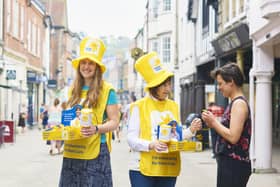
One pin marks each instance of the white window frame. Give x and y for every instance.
(166, 5)
(238, 15)
(33, 39)
(166, 49)
(154, 45)
(154, 9)
(1, 19)
(38, 42)
(8, 15)
(15, 18)
(29, 36)
(22, 14)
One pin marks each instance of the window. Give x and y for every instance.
(15, 18)
(21, 23)
(226, 11)
(233, 10)
(166, 49)
(29, 36)
(166, 5)
(8, 16)
(154, 46)
(1, 20)
(38, 42)
(33, 35)
(205, 17)
(241, 6)
(155, 9)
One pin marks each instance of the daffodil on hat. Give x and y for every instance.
(152, 70)
(92, 49)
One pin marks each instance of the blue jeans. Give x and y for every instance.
(139, 180)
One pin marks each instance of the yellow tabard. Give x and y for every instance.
(88, 148)
(153, 113)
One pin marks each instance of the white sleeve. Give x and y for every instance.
(133, 133)
(187, 133)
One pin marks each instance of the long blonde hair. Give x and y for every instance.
(93, 93)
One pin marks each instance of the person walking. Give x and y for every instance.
(21, 121)
(44, 115)
(150, 165)
(217, 111)
(86, 161)
(234, 130)
(54, 119)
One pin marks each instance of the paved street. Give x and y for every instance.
(28, 164)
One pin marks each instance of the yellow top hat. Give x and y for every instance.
(151, 69)
(92, 49)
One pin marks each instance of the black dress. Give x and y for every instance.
(21, 120)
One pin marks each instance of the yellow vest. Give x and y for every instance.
(152, 113)
(88, 148)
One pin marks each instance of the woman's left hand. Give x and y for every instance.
(88, 131)
(196, 125)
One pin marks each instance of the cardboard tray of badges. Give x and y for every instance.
(184, 146)
(61, 132)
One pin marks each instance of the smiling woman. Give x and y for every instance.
(87, 69)
(107, 17)
(86, 161)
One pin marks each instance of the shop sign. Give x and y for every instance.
(233, 39)
(52, 83)
(11, 74)
(31, 76)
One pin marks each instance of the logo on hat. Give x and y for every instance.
(155, 64)
(92, 47)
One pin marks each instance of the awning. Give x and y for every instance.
(5, 86)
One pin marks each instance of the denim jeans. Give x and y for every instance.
(139, 180)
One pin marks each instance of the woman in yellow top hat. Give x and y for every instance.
(86, 161)
(151, 165)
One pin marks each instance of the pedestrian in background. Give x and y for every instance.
(217, 111)
(21, 121)
(54, 112)
(43, 115)
(234, 130)
(146, 114)
(86, 161)
(117, 132)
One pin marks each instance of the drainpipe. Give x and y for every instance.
(252, 76)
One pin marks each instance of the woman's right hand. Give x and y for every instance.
(208, 118)
(158, 146)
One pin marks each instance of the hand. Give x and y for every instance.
(88, 131)
(158, 146)
(196, 125)
(209, 118)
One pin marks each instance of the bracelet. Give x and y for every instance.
(96, 129)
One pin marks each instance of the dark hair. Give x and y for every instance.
(229, 72)
(56, 101)
(153, 90)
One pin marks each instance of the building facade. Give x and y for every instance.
(264, 81)
(23, 41)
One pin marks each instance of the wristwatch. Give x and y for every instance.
(96, 129)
